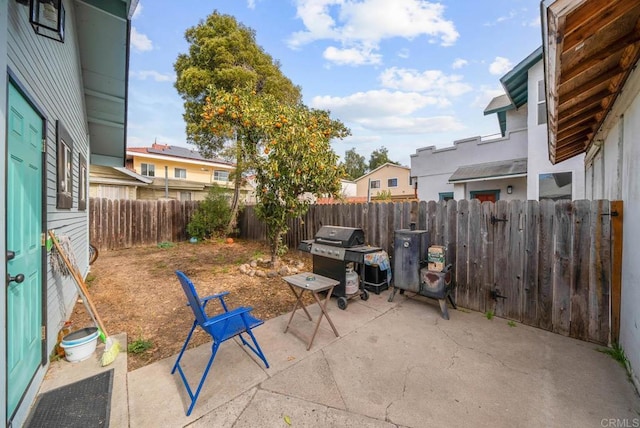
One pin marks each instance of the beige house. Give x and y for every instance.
(388, 181)
(115, 182)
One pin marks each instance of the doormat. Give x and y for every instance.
(86, 403)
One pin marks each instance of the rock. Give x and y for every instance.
(244, 268)
(253, 263)
(261, 274)
(300, 265)
(293, 271)
(252, 272)
(272, 274)
(283, 271)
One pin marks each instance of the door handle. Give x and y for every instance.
(11, 255)
(17, 279)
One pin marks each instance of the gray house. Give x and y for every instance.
(510, 165)
(591, 55)
(63, 90)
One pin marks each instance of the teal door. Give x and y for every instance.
(24, 249)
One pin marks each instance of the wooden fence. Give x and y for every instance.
(115, 224)
(551, 260)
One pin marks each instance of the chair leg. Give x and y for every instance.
(256, 350)
(194, 397)
(184, 347)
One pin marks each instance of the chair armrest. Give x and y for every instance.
(227, 315)
(214, 296)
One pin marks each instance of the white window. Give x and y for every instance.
(542, 103)
(180, 173)
(555, 186)
(221, 175)
(148, 169)
(392, 182)
(185, 196)
(375, 184)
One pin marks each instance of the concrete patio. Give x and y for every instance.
(394, 365)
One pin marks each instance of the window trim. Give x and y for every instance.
(82, 183)
(541, 101)
(175, 173)
(64, 167)
(389, 185)
(147, 165)
(371, 186)
(216, 172)
(443, 195)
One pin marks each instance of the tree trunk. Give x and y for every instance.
(235, 201)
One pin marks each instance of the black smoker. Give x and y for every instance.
(411, 272)
(332, 248)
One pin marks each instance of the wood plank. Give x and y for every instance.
(501, 278)
(516, 260)
(450, 232)
(616, 267)
(487, 265)
(599, 272)
(422, 216)
(432, 207)
(530, 284)
(462, 254)
(475, 254)
(579, 327)
(562, 267)
(546, 262)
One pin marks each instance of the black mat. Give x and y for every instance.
(83, 404)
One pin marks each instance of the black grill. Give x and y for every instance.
(333, 247)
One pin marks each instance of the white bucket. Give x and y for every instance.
(80, 344)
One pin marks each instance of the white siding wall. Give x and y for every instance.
(433, 167)
(50, 73)
(620, 179)
(538, 151)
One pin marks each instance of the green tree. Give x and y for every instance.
(354, 164)
(379, 157)
(212, 215)
(223, 54)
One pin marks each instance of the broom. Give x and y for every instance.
(111, 346)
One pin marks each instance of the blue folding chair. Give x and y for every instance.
(221, 327)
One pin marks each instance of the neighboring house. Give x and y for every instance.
(63, 74)
(387, 181)
(179, 173)
(591, 53)
(347, 194)
(115, 182)
(512, 166)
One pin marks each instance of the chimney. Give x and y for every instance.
(159, 146)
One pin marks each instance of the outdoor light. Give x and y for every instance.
(509, 189)
(47, 18)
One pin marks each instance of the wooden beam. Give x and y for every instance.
(616, 268)
(582, 87)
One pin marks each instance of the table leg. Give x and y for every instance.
(295, 306)
(323, 309)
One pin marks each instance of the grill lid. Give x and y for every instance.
(340, 236)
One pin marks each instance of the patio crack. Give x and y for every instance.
(490, 355)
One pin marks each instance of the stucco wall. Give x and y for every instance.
(620, 179)
(433, 167)
(538, 152)
(384, 174)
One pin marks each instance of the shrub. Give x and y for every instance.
(212, 216)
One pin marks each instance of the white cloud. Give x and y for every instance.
(152, 74)
(138, 11)
(534, 22)
(351, 56)
(500, 66)
(512, 14)
(139, 41)
(433, 82)
(459, 63)
(413, 125)
(485, 95)
(363, 24)
(373, 104)
(403, 53)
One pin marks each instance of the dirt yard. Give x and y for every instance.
(136, 291)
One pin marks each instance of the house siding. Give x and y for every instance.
(50, 73)
(614, 169)
(402, 190)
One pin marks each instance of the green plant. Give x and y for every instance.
(511, 324)
(489, 314)
(165, 244)
(139, 346)
(89, 279)
(212, 216)
(617, 353)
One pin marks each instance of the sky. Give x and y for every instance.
(400, 74)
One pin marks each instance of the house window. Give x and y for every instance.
(542, 103)
(445, 196)
(185, 196)
(82, 184)
(374, 184)
(180, 173)
(392, 182)
(221, 175)
(148, 169)
(64, 162)
(555, 186)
